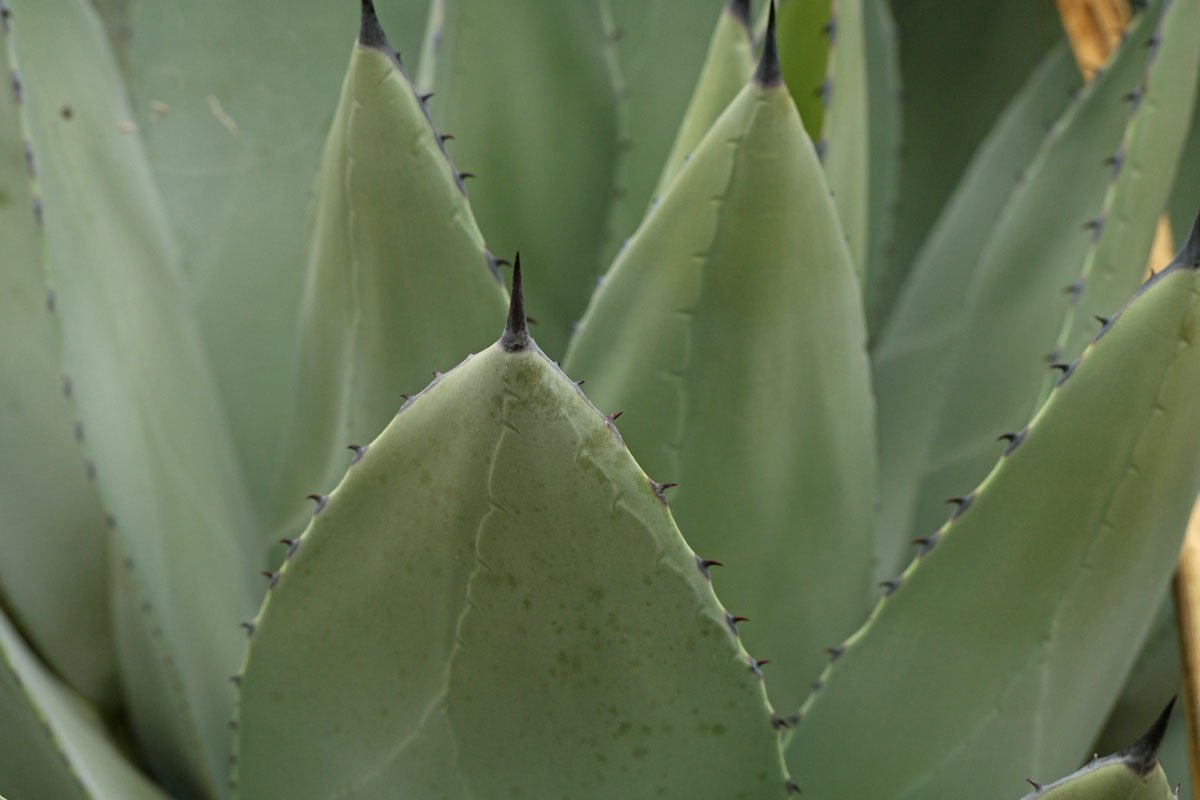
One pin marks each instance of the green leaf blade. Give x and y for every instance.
(1051, 590)
(696, 335)
(910, 353)
(52, 743)
(542, 545)
(52, 578)
(845, 138)
(726, 69)
(979, 61)
(985, 358)
(1144, 163)
(376, 321)
(883, 278)
(138, 375)
(492, 75)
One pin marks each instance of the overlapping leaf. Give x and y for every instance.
(393, 239)
(996, 650)
(138, 375)
(518, 611)
(730, 334)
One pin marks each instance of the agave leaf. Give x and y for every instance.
(722, 332)
(1187, 176)
(881, 51)
(494, 92)
(394, 244)
(984, 364)
(1131, 774)
(1154, 675)
(138, 376)
(804, 27)
(1143, 166)
(967, 64)
(845, 144)
(116, 15)
(726, 70)
(999, 362)
(246, 127)
(659, 48)
(930, 307)
(53, 539)
(52, 743)
(521, 616)
(1009, 636)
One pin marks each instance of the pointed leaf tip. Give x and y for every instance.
(370, 32)
(516, 331)
(1142, 755)
(769, 73)
(740, 9)
(1189, 254)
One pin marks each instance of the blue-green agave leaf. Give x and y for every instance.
(399, 281)
(959, 71)
(998, 651)
(52, 743)
(518, 612)
(550, 130)
(138, 376)
(54, 542)
(979, 369)
(730, 334)
(233, 100)
(930, 307)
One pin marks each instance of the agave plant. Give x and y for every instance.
(795, 337)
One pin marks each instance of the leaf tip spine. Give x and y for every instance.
(740, 10)
(370, 32)
(769, 73)
(1142, 755)
(516, 329)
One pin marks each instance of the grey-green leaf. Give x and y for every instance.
(1008, 637)
(1142, 168)
(726, 70)
(501, 72)
(979, 371)
(233, 100)
(959, 71)
(846, 138)
(399, 281)
(883, 275)
(518, 611)
(52, 576)
(52, 743)
(1131, 774)
(931, 305)
(730, 333)
(659, 47)
(138, 376)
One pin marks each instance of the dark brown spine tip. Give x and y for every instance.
(769, 73)
(516, 331)
(1037, 786)
(740, 10)
(370, 32)
(1189, 254)
(1142, 755)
